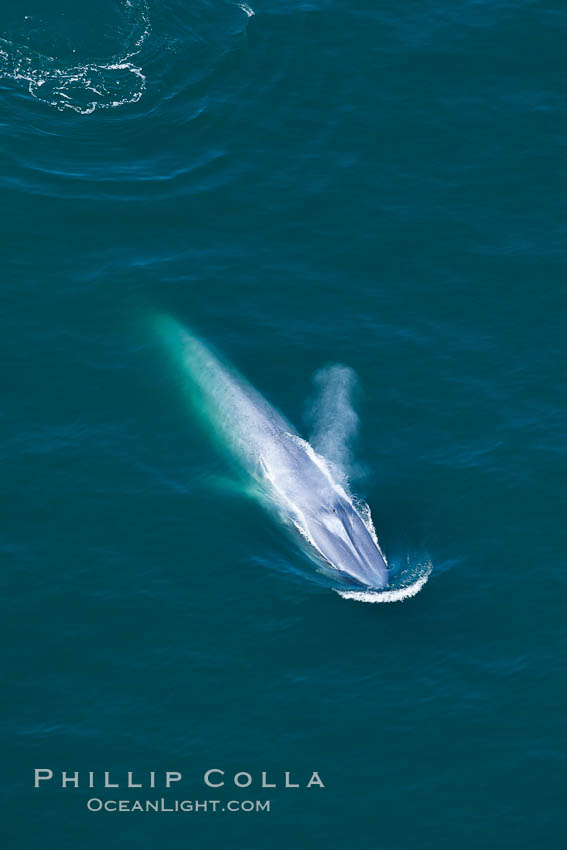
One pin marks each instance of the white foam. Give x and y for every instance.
(394, 595)
(246, 9)
(66, 87)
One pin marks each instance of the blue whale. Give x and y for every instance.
(299, 482)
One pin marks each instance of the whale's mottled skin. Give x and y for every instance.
(298, 481)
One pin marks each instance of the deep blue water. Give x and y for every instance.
(377, 185)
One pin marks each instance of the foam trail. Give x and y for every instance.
(85, 86)
(397, 594)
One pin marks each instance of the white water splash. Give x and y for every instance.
(397, 594)
(246, 9)
(83, 87)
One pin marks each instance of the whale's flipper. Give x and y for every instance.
(229, 486)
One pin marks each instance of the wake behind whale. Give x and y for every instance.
(302, 485)
(71, 82)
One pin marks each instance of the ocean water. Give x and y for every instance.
(303, 184)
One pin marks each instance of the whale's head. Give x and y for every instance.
(341, 537)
